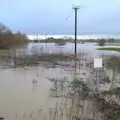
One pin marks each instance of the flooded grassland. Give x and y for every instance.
(43, 81)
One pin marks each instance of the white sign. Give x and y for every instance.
(97, 62)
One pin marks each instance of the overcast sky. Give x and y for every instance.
(57, 16)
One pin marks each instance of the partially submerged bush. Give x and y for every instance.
(101, 42)
(8, 39)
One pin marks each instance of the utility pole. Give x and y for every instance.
(75, 10)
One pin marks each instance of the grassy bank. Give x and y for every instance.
(63, 41)
(110, 49)
(57, 41)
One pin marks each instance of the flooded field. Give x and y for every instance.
(68, 48)
(58, 86)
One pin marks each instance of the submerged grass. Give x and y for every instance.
(36, 59)
(110, 49)
(114, 44)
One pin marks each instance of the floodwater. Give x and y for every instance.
(68, 48)
(24, 92)
(54, 93)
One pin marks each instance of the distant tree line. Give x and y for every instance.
(102, 42)
(9, 39)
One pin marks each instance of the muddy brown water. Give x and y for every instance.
(25, 92)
